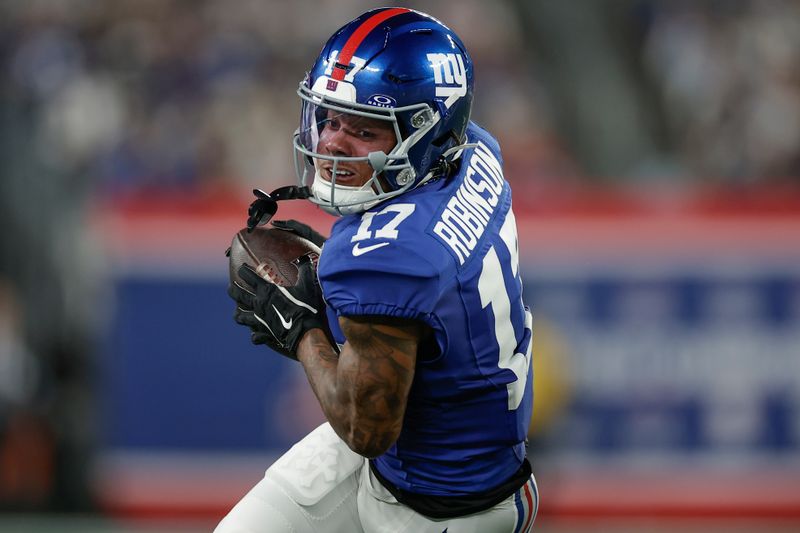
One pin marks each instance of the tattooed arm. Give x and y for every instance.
(363, 391)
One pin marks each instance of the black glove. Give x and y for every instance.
(279, 316)
(303, 230)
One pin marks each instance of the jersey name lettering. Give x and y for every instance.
(463, 221)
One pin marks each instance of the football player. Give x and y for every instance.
(412, 330)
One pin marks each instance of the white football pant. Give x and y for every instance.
(320, 485)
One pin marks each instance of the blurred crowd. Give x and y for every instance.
(145, 97)
(157, 94)
(728, 78)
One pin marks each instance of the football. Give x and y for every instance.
(271, 252)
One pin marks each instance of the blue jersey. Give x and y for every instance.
(446, 254)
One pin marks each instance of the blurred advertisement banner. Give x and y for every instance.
(667, 351)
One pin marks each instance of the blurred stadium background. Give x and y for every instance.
(654, 150)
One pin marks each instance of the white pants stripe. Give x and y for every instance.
(527, 503)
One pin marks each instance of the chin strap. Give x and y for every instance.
(265, 205)
(457, 148)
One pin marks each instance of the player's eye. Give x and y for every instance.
(332, 123)
(365, 134)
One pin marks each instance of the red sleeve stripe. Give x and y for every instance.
(359, 35)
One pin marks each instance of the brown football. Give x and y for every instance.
(271, 252)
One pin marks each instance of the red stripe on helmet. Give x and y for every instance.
(358, 36)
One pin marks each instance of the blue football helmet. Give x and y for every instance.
(395, 65)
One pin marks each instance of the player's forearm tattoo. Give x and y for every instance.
(363, 390)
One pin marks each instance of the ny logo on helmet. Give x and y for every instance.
(449, 75)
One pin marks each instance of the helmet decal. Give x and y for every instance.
(353, 66)
(341, 90)
(450, 76)
(381, 100)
